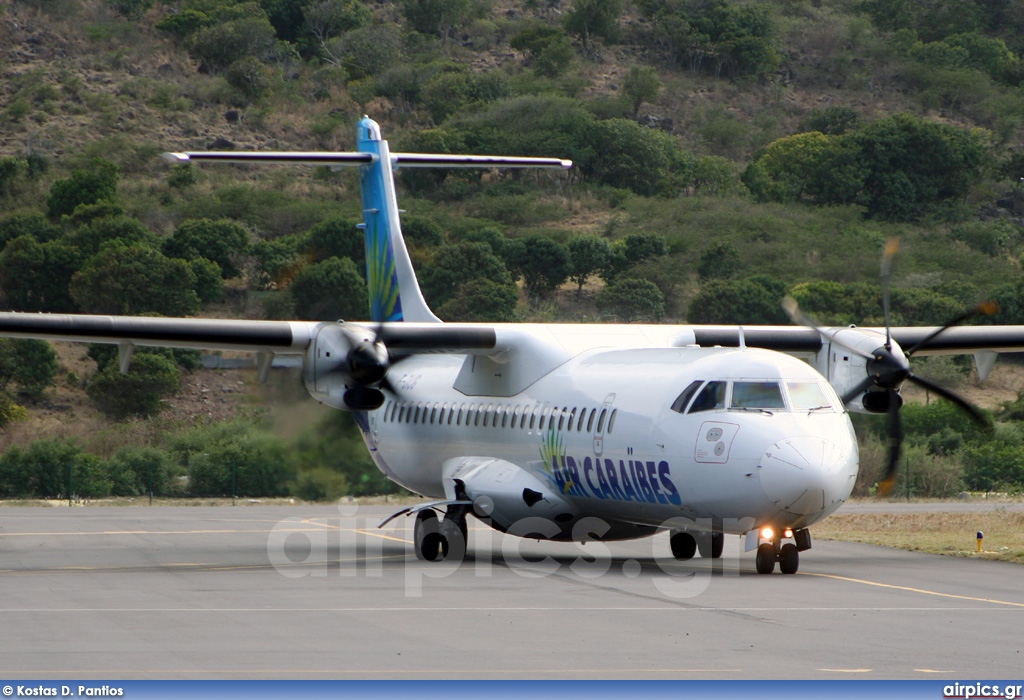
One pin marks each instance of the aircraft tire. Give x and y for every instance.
(711, 544)
(765, 559)
(453, 540)
(684, 546)
(426, 536)
(789, 559)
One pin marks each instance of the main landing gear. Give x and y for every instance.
(685, 544)
(773, 548)
(441, 539)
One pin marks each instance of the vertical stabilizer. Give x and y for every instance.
(394, 292)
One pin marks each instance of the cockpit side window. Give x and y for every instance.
(757, 395)
(679, 405)
(711, 397)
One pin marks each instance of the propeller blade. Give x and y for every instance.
(980, 418)
(891, 248)
(797, 316)
(988, 308)
(894, 430)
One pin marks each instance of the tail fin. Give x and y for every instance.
(394, 292)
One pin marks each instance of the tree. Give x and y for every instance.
(588, 255)
(437, 17)
(790, 168)
(135, 471)
(329, 291)
(95, 184)
(140, 392)
(632, 250)
(103, 230)
(543, 264)
(589, 18)
(720, 260)
(31, 364)
(481, 300)
(548, 49)
(135, 280)
(39, 228)
(223, 242)
(754, 300)
(237, 458)
(329, 19)
(250, 77)
(912, 165)
(222, 43)
(631, 299)
(131, 9)
(647, 161)
(458, 264)
(831, 121)
(640, 85)
(36, 276)
(209, 280)
(52, 469)
(366, 51)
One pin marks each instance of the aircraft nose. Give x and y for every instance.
(805, 475)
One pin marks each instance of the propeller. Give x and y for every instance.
(368, 363)
(888, 367)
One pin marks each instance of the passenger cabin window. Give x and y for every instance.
(710, 398)
(757, 395)
(808, 396)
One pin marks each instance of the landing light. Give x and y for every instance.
(767, 533)
(787, 533)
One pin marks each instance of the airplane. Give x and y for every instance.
(574, 432)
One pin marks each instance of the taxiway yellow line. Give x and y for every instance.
(911, 589)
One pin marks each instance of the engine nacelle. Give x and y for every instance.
(344, 366)
(847, 367)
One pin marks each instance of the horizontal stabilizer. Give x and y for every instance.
(444, 160)
(294, 157)
(341, 159)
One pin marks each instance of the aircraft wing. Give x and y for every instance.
(960, 340)
(290, 337)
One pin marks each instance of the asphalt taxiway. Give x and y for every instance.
(319, 592)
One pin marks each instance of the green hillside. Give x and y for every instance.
(727, 154)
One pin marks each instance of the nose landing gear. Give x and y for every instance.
(773, 548)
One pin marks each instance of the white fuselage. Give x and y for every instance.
(601, 431)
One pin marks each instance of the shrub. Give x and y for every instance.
(95, 184)
(630, 299)
(140, 392)
(329, 291)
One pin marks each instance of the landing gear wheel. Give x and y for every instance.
(789, 559)
(453, 540)
(683, 545)
(711, 544)
(426, 536)
(765, 559)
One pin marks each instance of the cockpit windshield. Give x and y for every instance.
(756, 395)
